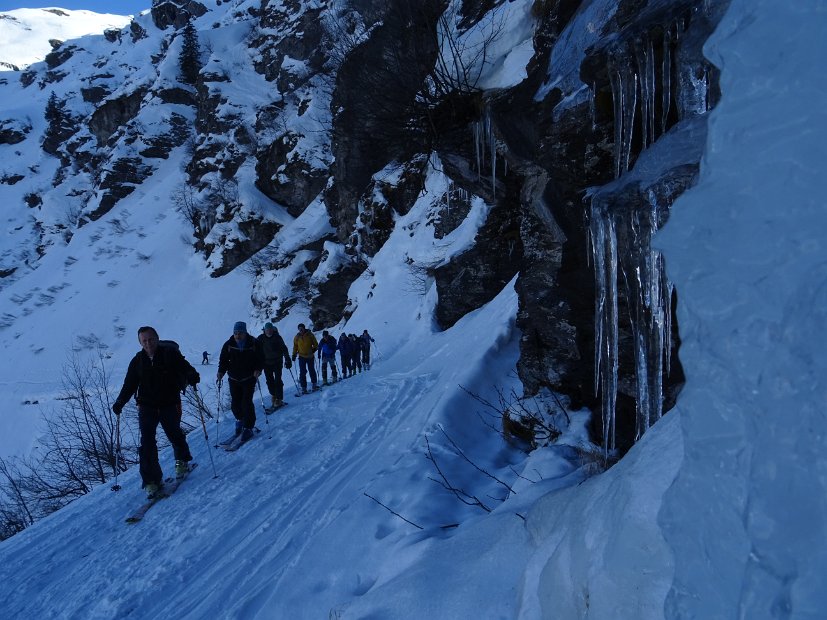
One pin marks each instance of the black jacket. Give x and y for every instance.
(240, 363)
(158, 381)
(274, 349)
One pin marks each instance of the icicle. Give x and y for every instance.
(666, 101)
(642, 62)
(667, 309)
(492, 145)
(604, 244)
(624, 83)
(616, 79)
(610, 389)
(476, 131)
(650, 89)
(592, 111)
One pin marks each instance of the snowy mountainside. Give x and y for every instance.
(25, 34)
(98, 240)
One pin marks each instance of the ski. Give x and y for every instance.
(309, 392)
(269, 410)
(168, 489)
(226, 442)
(238, 441)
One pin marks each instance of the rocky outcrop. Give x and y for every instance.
(255, 235)
(120, 181)
(474, 278)
(375, 93)
(327, 306)
(291, 182)
(175, 13)
(13, 131)
(114, 114)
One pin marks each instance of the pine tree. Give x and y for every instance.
(189, 62)
(60, 127)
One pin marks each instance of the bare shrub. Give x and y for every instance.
(79, 449)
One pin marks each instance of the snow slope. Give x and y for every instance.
(25, 33)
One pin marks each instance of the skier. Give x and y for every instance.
(205, 358)
(356, 354)
(304, 345)
(275, 352)
(242, 358)
(327, 353)
(344, 352)
(366, 339)
(157, 374)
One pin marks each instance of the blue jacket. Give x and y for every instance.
(327, 346)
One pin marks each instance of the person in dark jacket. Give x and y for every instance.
(242, 358)
(345, 349)
(156, 376)
(366, 339)
(355, 355)
(327, 354)
(275, 353)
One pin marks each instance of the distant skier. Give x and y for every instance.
(275, 352)
(304, 345)
(327, 354)
(365, 340)
(242, 358)
(157, 375)
(205, 359)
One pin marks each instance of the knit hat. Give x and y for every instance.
(240, 327)
(268, 325)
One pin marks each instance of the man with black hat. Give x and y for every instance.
(241, 357)
(275, 352)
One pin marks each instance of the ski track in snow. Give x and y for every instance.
(308, 463)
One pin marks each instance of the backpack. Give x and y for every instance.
(171, 345)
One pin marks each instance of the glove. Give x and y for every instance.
(194, 379)
(294, 358)
(117, 408)
(219, 377)
(288, 364)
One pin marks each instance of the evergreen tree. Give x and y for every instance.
(60, 127)
(189, 62)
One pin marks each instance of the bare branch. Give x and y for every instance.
(396, 514)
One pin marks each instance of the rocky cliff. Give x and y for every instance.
(577, 124)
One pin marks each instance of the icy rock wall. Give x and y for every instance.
(747, 516)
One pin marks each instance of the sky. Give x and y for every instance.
(719, 511)
(118, 7)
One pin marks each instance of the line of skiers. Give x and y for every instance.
(157, 376)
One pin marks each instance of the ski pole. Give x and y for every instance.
(218, 417)
(296, 383)
(263, 407)
(204, 426)
(116, 486)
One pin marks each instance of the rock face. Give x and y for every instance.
(341, 109)
(175, 13)
(596, 308)
(13, 131)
